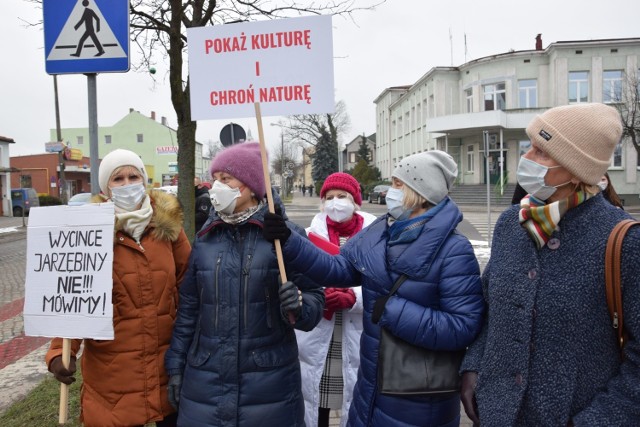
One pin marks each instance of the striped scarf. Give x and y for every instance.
(540, 220)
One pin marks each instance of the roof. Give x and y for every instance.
(6, 139)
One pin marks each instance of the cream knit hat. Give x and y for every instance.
(430, 174)
(114, 160)
(580, 137)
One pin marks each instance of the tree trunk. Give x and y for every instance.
(186, 127)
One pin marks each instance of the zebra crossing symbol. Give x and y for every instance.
(83, 36)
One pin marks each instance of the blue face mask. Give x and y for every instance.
(531, 175)
(394, 199)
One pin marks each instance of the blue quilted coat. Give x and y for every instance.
(440, 305)
(237, 355)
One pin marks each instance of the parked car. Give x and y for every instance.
(80, 199)
(23, 199)
(171, 189)
(379, 194)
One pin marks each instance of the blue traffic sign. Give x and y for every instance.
(86, 36)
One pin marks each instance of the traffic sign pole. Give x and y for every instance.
(92, 96)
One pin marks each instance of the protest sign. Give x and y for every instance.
(69, 265)
(286, 65)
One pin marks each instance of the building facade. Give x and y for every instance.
(154, 141)
(350, 152)
(488, 103)
(42, 173)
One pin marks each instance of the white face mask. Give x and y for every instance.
(128, 197)
(223, 197)
(339, 210)
(531, 175)
(394, 199)
(603, 185)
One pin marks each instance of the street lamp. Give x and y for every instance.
(282, 178)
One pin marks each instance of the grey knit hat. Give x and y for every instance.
(430, 174)
(580, 137)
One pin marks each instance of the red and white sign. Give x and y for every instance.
(163, 150)
(286, 65)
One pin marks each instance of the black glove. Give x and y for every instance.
(378, 309)
(468, 396)
(275, 227)
(61, 373)
(290, 299)
(173, 389)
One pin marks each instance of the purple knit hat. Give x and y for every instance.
(242, 161)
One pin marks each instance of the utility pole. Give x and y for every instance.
(63, 183)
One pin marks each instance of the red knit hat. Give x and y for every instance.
(342, 181)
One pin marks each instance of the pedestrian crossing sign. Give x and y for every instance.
(86, 36)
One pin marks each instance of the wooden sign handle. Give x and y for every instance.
(267, 183)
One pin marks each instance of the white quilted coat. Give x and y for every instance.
(314, 345)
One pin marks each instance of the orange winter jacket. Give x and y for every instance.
(124, 380)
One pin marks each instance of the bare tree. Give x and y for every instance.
(213, 147)
(159, 28)
(307, 129)
(629, 108)
(321, 131)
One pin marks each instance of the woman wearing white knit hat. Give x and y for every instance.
(124, 380)
(548, 355)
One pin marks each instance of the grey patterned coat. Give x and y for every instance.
(548, 353)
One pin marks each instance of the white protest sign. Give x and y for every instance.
(286, 65)
(69, 265)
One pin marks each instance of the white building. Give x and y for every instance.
(5, 178)
(456, 108)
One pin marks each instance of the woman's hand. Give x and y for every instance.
(173, 390)
(62, 374)
(290, 299)
(468, 396)
(275, 227)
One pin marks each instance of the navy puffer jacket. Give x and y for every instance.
(440, 305)
(237, 354)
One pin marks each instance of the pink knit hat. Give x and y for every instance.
(342, 181)
(580, 137)
(242, 161)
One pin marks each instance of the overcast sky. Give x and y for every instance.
(394, 45)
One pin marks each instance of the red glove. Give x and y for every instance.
(337, 299)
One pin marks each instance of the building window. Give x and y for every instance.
(578, 87)
(612, 86)
(470, 159)
(139, 138)
(469, 96)
(432, 106)
(495, 97)
(528, 93)
(107, 139)
(352, 157)
(79, 140)
(25, 181)
(616, 159)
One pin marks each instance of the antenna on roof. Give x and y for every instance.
(451, 45)
(465, 48)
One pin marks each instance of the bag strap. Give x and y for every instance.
(396, 285)
(613, 283)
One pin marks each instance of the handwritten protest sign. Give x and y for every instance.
(286, 65)
(69, 265)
